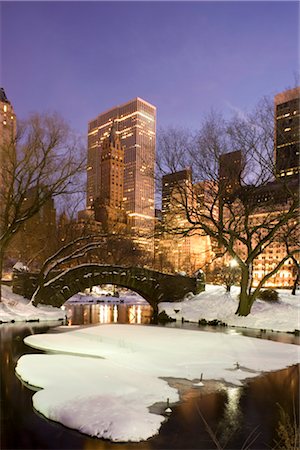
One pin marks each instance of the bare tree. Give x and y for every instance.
(244, 206)
(43, 160)
(227, 276)
(290, 237)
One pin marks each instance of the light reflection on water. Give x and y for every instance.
(84, 314)
(232, 416)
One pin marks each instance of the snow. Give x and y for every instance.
(212, 304)
(101, 380)
(16, 308)
(100, 295)
(20, 267)
(215, 303)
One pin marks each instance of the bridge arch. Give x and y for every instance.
(153, 286)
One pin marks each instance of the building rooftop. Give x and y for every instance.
(285, 96)
(122, 106)
(3, 97)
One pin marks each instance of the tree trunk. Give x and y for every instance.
(245, 304)
(296, 281)
(1, 269)
(246, 299)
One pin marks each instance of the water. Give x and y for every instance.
(141, 313)
(232, 413)
(108, 313)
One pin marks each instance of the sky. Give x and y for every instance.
(186, 58)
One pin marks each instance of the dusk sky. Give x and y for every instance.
(81, 58)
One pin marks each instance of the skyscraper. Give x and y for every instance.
(108, 207)
(7, 150)
(135, 125)
(230, 167)
(7, 133)
(175, 187)
(287, 132)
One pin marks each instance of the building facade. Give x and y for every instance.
(7, 146)
(181, 252)
(230, 167)
(7, 123)
(135, 125)
(108, 206)
(188, 252)
(287, 132)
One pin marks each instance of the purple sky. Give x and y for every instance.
(81, 58)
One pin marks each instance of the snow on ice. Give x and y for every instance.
(104, 378)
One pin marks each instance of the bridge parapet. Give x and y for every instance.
(154, 286)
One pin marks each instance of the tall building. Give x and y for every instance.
(287, 132)
(175, 252)
(7, 120)
(108, 206)
(175, 188)
(7, 147)
(135, 125)
(230, 167)
(7, 133)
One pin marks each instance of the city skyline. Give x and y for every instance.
(185, 58)
(134, 122)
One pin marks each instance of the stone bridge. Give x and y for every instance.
(153, 286)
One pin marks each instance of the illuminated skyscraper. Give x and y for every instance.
(7, 133)
(7, 149)
(287, 132)
(108, 207)
(135, 125)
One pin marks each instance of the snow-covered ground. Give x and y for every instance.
(16, 308)
(102, 380)
(212, 304)
(215, 303)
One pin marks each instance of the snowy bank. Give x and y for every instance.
(102, 297)
(16, 308)
(106, 377)
(215, 303)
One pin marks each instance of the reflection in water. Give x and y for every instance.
(135, 314)
(115, 314)
(85, 314)
(231, 421)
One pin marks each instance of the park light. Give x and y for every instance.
(233, 263)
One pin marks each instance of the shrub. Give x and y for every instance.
(268, 295)
(163, 317)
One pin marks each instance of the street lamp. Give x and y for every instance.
(232, 274)
(233, 263)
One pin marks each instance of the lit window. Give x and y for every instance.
(5, 108)
(287, 129)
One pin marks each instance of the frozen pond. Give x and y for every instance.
(232, 412)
